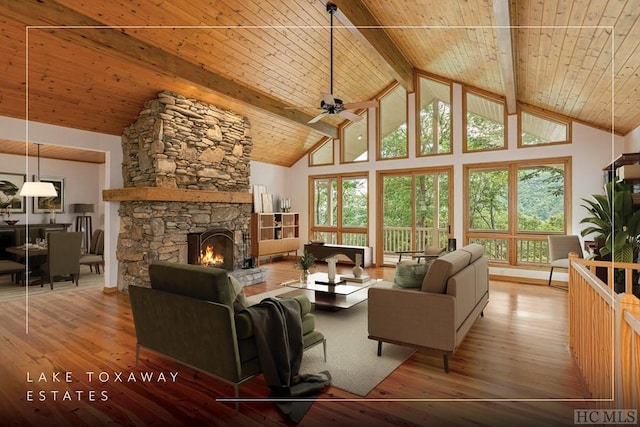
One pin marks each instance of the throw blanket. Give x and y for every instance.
(277, 327)
(278, 333)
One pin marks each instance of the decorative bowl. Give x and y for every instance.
(11, 221)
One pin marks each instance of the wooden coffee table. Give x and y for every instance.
(342, 295)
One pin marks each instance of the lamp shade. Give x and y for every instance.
(82, 207)
(38, 189)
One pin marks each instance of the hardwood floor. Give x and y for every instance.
(514, 367)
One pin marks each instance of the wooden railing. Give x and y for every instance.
(604, 332)
(399, 238)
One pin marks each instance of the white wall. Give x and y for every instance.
(632, 141)
(107, 176)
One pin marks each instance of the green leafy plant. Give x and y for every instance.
(614, 222)
(306, 261)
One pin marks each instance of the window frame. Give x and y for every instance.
(512, 235)
(545, 115)
(424, 75)
(491, 97)
(341, 131)
(339, 229)
(324, 141)
(379, 98)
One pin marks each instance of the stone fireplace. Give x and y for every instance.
(186, 172)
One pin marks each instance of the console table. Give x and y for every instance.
(325, 251)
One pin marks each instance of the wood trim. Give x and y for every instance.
(492, 97)
(158, 194)
(545, 115)
(416, 111)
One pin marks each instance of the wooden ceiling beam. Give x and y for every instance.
(505, 52)
(355, 15)
(118, 43)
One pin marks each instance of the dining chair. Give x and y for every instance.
(63, 258)
(95, 256)
(559, 249)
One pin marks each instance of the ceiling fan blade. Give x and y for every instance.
(328, 99)
(318, 117)
(363, 104)
(349, 115)
(302, 107)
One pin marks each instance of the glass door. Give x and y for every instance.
(415, 209)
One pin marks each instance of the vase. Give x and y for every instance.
(304, 275)
(357, 272)
(331, 269)
(52, 217)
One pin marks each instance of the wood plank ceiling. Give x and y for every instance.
(258, 57)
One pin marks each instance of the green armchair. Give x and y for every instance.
(188, 315)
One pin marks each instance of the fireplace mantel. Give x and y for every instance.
(159, 194)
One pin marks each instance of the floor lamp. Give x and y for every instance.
(83, 222)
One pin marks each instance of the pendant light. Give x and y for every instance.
(37, 188)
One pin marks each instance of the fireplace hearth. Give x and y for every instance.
(212, 248)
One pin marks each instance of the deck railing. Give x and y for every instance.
(399, 238)
(604, 333)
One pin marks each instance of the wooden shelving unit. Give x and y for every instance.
(611, 171)
(274, 234)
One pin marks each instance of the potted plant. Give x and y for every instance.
(306, 262)
(614, 222)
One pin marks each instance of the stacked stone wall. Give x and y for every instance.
(180, 143)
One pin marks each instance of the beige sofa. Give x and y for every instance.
(438, 315)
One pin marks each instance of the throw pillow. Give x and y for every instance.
(237, 295)
(411, 274)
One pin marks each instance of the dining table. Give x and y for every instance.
(35, 255)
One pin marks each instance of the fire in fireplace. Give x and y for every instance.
(212, 248)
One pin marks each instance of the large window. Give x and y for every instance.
(340, 209)
(485, 122)
(512, 207)
(434, 117)
(392, 124)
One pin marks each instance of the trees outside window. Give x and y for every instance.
(340, 209)
(434, 117)
(392, 124)
(512, 207)
(416, 206)
(484, 123)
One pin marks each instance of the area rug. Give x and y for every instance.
(352, 358)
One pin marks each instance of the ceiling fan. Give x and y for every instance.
(331, 105)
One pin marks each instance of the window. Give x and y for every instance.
(340, 209)
(485, 123)
(323, 154)
(434, 117)
(355, 141)
(540, 129)
(416, 206)
(512, 207)
(392, 124)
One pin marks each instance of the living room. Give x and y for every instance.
(281, 163)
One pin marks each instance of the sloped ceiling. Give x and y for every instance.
(92, 64)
